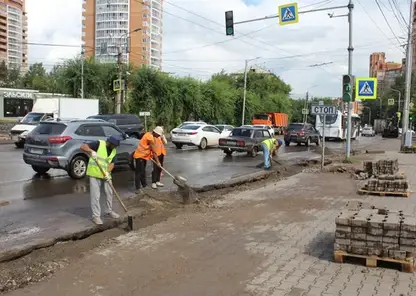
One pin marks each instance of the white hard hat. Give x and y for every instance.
(158, 130)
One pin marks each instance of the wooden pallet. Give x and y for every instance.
(406, 265)
(384, 193)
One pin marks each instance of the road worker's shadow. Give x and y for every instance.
(321, 246)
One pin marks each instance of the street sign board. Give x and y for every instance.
(305, 111)
(366, 88)
(144, 113)
(324, 110)
(390, 102)
(117, 85)
(288, 14)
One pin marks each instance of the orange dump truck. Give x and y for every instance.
(278, 121)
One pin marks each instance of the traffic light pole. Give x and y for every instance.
(118, 98)
(350, 50)
(408, 79)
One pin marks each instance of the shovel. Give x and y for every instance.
(179, 181)
(129, 218)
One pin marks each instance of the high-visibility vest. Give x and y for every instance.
(269, 143)
(103, 159)
(160, 147)
(143, 150)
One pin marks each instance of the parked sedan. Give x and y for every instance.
(301, 133)
(186, 123)
(368, 131)
(56, 145)
(201, 135)
(224, 129)
(244, 139)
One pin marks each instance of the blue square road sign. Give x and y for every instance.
(288, 14)
(366, 88)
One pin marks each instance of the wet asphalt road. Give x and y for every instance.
(43, 206)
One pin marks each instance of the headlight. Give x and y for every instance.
(24, 134)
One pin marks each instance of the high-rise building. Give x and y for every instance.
(13, 34)
(135, 26)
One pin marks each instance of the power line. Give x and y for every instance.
(387, 22)
(400, 21)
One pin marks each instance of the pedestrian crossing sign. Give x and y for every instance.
(288, 14)
(366, 88)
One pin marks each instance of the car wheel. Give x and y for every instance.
(203, 144)
(287, 143)
(318, 142)
(40, 170)
(78, 167)
(253, 152)
(20, 144)
(228, 152)
(308, 142)
(178, 146)
(134, 135)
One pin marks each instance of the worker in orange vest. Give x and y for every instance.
(160, 143)
(145, 151)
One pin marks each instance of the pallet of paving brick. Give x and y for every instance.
(408, 150)
(406, 265)
(365, 191)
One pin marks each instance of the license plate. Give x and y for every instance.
(181, 135)
(230, 143)
(15, 138)
(36, 151)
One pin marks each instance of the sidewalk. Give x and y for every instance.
(276, 240)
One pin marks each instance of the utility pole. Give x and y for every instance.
(408, 78)
(244, 93)
(350, 50)
(82, 72)
(305, 116)
(119, 62)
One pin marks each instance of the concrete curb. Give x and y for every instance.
(6, 142)
(18, 252)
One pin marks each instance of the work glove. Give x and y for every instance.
(94, 155)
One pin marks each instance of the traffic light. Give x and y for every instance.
(347, 88)
(229, 23)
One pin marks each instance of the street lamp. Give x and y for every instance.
(119, 62)
(400, 95)
(245, 88)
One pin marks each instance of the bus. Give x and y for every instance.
(336, 126)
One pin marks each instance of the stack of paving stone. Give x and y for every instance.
(364, 230)
(385, 177)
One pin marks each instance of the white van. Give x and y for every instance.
(52, 109)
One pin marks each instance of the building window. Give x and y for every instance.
(17, 107)
(145, 40)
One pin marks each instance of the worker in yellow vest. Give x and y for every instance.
(270, 147)
(102, 152)
(146, 150)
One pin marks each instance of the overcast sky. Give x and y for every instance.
(195, 43)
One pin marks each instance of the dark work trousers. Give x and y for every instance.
(140, 173)
(157, 170)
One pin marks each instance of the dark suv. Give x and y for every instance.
(302, 133)
(128, 123)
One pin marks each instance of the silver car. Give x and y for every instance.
(56, 144)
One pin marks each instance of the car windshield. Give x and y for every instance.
(32, 117)
(261, 116)
(220, 127)
(295, 127)
(190, 127)
(241, 132)
(367, 129)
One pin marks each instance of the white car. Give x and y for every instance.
(201, 135)
(225, 129)
(186, 123)
(269, 128)
(368, 131)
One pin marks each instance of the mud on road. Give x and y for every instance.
(43, 263)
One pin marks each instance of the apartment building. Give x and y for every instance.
(385, 72)
(13, 34)
(132, 25)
